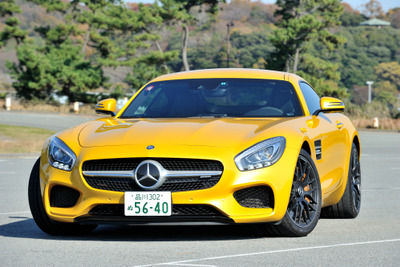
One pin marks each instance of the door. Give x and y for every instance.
(328, 138)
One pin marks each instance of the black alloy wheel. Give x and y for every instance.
(304, 206)
(355, 174)
(304, 197)
(350, 203)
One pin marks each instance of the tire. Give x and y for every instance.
(304, 206)
(39, 214)
(350, 203)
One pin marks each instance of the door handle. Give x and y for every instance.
(339, 125)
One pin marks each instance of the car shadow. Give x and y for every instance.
(27, 228)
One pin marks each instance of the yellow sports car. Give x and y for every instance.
(229, 146)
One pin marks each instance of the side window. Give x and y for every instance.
(312, 99)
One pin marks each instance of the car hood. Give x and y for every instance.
(223, 132)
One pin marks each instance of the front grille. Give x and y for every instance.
(172, 184)
(63, 197)
(177, 210)
(179, 184)
(127, 164)
(255, 197)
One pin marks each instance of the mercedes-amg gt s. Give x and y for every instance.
(231, 146)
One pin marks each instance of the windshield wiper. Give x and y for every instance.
(211, 116)
(134, 117)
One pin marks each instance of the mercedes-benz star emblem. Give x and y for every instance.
(149, 175)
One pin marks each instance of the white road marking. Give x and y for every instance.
(17, 212)
(186, 264)
(374, 189)
(273, 252)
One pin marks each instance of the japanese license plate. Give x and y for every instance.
(148, 204)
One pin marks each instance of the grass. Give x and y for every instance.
(19, 139)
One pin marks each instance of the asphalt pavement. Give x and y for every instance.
(50, 121)
(372, 239)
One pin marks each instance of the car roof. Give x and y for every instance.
(228, 73)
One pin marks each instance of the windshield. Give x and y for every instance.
(215, 98)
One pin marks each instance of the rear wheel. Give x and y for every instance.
(39, 214)
(350, 203)
(304, 206)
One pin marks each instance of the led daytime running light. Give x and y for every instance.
(260, 155)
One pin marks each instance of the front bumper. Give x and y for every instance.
(220, 197)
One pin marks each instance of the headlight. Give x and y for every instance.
(60, 155)
(261, 155)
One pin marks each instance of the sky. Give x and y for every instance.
(386, 4)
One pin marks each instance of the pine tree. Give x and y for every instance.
(302, 21)
(11, 29)
(57, 67)
(95, 34)
(179, 11)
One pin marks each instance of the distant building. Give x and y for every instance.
(375, 22)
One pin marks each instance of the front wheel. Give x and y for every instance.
(39, 214)
(304, 206)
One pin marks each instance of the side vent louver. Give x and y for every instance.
(318, 149)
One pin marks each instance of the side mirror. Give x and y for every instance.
(330, 104)
(106, 106)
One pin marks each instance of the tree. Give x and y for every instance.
(120, 36)
(323, 76)
(11, 29)
(373, 9)
(394, 15)
(154, 63)
(179, 11)
(302, 21)
(389, 71)
(109, 31)
(54, 68)
(351, 19)
(251, 49)
(365, 48)
(386, 92)
(93, 35)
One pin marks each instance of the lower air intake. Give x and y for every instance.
(255, 197)
(177, 210)
(63, 197)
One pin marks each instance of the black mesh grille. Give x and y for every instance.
(255, 197)
(180, 184)
(177, 210)
(172, 184)
(63, 197)
(108, 210)
(127, 164)
(188, 184)
(194, 210)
